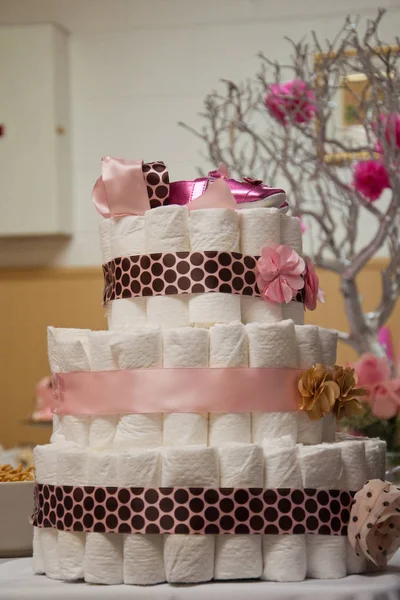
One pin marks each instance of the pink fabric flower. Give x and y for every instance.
(370, 178)
(280, 271)
(384, 401)
(312, 293)
(371, 370)
(293, 100)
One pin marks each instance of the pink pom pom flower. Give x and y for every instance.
(280, 274)
(293, 100)
(370, 179)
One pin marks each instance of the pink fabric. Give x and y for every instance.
(121, 189)
(374, 528)
(311, 286)
(176, 390)
(280, 271)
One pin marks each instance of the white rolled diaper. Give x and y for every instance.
(272, 346)
(229, 348)
(326, 554)
(239, 556)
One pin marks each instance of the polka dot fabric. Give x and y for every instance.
(374, 528)
(156, 178)
(192, 510)
(180, 273)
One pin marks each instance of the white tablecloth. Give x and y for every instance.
(18, 583)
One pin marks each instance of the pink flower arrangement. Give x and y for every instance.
(293, 100)
(383, 393)
(312, 292)
(370, 179)
(280, 274)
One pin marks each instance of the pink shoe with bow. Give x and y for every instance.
(249, 193)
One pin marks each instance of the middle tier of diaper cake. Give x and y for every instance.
(184, 447)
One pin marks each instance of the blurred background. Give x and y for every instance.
(80, 79)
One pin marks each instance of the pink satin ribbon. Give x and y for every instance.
(121, 189)
(176, 390)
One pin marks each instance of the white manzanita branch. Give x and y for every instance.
(239, 131)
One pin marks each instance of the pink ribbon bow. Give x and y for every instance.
(121, 189)
(374, 528)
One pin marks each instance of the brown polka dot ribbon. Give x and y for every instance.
(374, 528)
(156, 178)
(160, 274)
(190, 510)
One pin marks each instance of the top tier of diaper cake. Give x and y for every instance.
(195, 253)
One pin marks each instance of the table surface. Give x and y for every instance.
(17, 582)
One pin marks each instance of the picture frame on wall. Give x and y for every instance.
(349, 108)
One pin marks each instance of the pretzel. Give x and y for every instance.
(9, 474)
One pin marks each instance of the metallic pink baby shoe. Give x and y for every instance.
(249, 193)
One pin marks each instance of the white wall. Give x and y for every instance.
(139, 66)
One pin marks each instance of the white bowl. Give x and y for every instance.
(16, 507)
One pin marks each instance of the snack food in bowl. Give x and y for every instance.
(16, 500)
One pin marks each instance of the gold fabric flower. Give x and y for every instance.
(347, 403)
(318, 392)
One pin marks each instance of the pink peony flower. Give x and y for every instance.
(293, 100)
(384, 402)
(370, 178)
(371, 370)
(280, 271)
(312, 293)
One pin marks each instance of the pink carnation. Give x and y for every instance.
(371, 370)
(293, 100)
(280, 274)
(312, 293)
(370, 178)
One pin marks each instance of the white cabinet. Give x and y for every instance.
(35, 172)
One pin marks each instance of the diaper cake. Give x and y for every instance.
(195, 440)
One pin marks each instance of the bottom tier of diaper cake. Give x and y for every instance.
(186, 514)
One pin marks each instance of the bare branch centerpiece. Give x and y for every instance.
(281, 124)
(326, 126)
